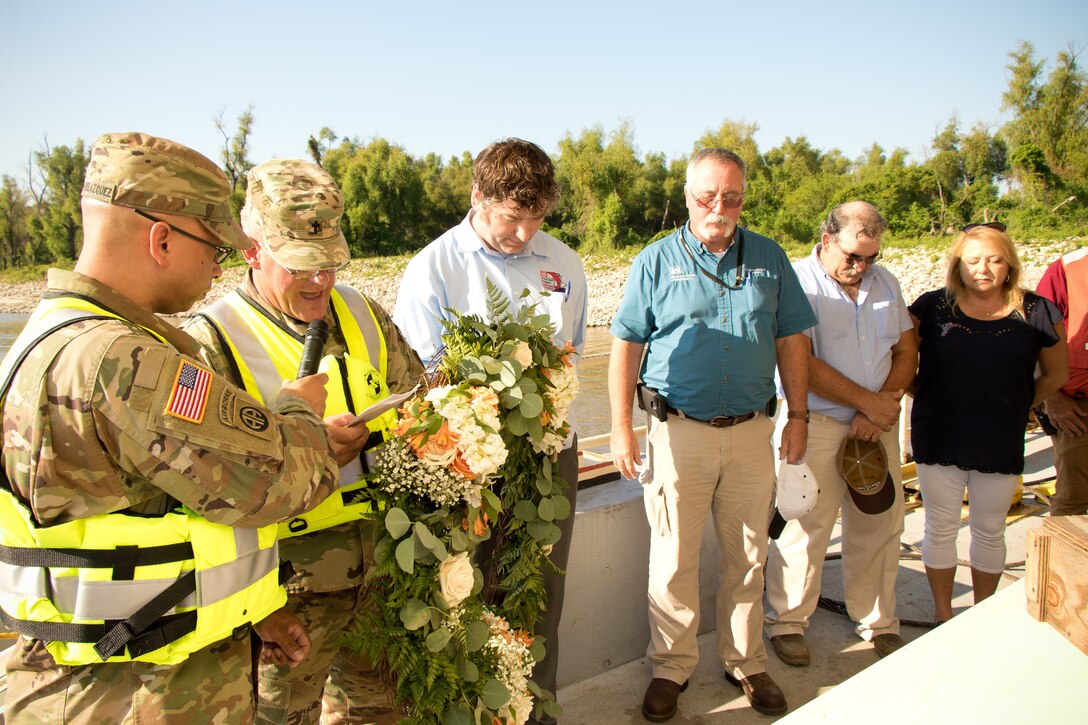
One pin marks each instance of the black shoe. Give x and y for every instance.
(659, 703)
(763, 694)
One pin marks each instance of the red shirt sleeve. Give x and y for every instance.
(1053, 287)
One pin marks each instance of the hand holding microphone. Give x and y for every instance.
(307, 385)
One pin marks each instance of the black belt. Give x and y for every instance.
(719, 421)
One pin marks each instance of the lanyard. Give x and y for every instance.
(740, 264)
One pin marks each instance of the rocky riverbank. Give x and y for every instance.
(918, 270)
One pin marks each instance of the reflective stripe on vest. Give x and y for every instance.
(117, 587)
(1076, 284)
(266, 355)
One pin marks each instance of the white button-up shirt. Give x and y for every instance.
(854, 338)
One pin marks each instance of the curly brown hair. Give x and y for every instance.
(518, 171)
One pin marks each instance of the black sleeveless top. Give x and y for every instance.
(976, 381)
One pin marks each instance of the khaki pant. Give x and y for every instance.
(1071, 459)
(699, 471)
(870, 544)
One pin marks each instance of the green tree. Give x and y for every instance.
(58, 224)
(447, 190)
(235, 155)
(14, 231)
(383, 199)
(1051, 115)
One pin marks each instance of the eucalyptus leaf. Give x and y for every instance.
(562, 506)
(508, 375)
(536, 649)
(543, 483)
(525, 510)
(546, 509)
(436, 640)
(476, 635)
(516, 424)
(536, 430)
(542, 531)
(458, 713)
(397, 522)
(425, 536)
(406, 555)
(532, 405)
(494, 694)
(468, 671)
(528, 385)
(414, 614)
(552, 708)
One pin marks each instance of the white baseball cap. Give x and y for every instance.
(796, 489)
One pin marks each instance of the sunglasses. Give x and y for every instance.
(221, 252)
(990, 225)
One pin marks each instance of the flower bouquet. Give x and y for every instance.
(470, 497)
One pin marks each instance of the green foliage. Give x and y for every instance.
(57, 228)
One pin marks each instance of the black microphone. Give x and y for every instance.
(313, 346)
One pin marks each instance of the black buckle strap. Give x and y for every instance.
(170, 628)
(95, 558)
(119, 636)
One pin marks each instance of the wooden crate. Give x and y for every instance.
(1056, 579)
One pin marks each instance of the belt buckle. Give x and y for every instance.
(721, 421)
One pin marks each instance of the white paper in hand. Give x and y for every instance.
(381, 406)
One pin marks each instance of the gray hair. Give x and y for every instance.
(722, 156)
(865, 214)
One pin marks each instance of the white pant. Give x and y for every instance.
(870, 544)
(990, 495)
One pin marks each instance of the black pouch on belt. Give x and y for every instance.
(651, 401)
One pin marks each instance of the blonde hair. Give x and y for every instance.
(953, 283)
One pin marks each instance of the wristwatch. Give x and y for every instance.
(797, 415)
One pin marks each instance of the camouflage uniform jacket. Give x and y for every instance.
(88, 435)
(331, 559)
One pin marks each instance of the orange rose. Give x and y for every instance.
(440, 442)
(461, 468)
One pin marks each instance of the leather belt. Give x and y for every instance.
(720, 421)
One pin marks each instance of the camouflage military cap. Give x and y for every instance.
(158, 175)
(297, 207)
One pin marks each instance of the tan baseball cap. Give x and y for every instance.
(864, 467)
(299, 208)
(158, 175)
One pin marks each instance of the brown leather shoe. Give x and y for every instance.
(791, 649)
(885, 644)
(763, 694)
(659, 704)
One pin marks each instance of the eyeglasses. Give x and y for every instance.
(221, 252)
(991, 225)
(730, 200)
(303, 275)
(853, 259)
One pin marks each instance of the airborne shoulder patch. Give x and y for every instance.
(188, 396)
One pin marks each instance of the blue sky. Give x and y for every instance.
(449, 77)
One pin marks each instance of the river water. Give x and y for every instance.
(590, 408)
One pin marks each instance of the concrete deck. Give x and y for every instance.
(615, 696)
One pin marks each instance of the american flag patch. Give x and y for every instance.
(189, 396)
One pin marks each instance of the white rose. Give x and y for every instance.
(455, 578)
(523, 354)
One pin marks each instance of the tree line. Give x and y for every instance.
(1031, 173)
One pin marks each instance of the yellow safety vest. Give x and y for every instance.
(118, 587)
(264, 354)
